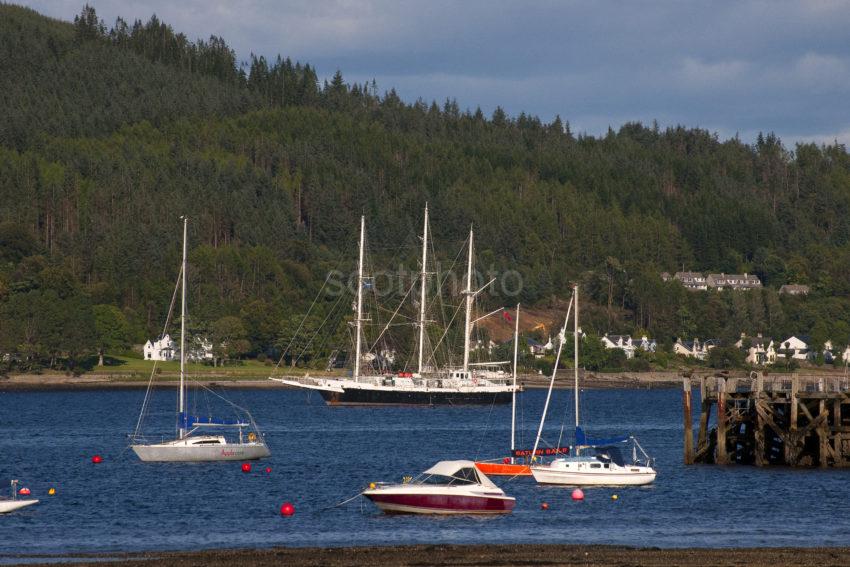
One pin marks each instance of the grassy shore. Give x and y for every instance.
(470, 555)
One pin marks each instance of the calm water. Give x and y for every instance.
(323, 455)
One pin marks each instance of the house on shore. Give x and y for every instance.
(628, 345)
(162, 348)
(695, 348)
(796, 347)
(759, 350)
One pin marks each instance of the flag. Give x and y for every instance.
(507, 316)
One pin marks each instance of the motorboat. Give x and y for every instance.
(12, 504)
(449, 487)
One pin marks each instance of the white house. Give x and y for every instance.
(760, 352)
(628, 345)
(161, 349)
(795, 347)
(695, 348)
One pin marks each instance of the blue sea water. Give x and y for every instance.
(322, 455)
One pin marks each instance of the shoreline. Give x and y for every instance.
(59, 382)
(445, 555)
(98, 381)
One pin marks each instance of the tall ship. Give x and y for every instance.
(426, 383)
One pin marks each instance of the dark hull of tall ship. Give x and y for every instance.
(367, 397)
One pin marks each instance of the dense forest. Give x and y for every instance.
(109, 134)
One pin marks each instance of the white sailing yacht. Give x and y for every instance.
(469, 384)
(190, 446)
(603, 463)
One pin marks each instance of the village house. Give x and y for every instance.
(743, 282)
(795, 347)
(695, 348)
(628, 345)
(794, 289)
(760, 351)
(162, 348)
(538, 349)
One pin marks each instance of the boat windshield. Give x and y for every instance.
(610, 455)
(462, 476)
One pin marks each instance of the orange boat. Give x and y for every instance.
(503, 469)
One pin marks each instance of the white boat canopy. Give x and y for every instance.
(452, 468)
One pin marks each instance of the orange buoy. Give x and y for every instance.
(287, 509)
(246, 467)
(97, 459)
(24, 491)
(578, 494)
(544, 506)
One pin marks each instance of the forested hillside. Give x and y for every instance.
(109, 133)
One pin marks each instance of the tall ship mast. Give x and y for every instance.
(466, 384)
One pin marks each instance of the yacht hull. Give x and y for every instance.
(188, 454)
(378, 397)
(12, 505)
(627, 477)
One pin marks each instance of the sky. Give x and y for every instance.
(730, 67)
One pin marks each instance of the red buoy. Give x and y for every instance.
(246, 467)
(578, 494)
(544, 506)
(506, 460)
(268, 470)
(97, 459)
(24, 491)
(287, 509)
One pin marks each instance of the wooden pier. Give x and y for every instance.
(794, 420)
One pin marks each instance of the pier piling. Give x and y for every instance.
(768, 420)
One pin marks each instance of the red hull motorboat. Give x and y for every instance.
(449, 487)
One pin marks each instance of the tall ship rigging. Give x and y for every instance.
(464, 384)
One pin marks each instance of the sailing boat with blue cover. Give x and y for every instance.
(593, 462)
(189, 445)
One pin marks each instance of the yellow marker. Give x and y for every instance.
(52, 491)
(372, 486)
(614, 497)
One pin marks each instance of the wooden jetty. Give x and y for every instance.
(794, 420)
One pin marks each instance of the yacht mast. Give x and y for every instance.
(561, 341)
(424, 285)
(359, 321)
(575, 349)
(513, 394)
(182, 413)
(469, 298)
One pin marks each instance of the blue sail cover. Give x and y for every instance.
(189, 421)
(582, 440)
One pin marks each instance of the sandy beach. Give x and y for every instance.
(465, 555)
